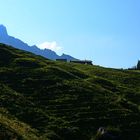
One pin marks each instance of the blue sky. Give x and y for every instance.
(105, 31)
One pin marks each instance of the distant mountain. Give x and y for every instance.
(68, 57)
(17, 43)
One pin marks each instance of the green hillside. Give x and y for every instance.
(42, 99)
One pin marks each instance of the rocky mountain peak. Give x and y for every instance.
(3, 31)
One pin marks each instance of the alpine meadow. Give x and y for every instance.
(69, 69)
(43, 99)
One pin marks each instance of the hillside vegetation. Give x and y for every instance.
(42, 99)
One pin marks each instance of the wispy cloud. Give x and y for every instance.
(50, 45)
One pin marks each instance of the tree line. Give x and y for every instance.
(137, 67)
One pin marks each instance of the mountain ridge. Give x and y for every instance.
(17, 43)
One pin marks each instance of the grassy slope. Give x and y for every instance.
(43, 99)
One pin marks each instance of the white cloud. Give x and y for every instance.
(50, 45)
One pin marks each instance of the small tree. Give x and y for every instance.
(138, 65)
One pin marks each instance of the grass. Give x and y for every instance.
(43, 99)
